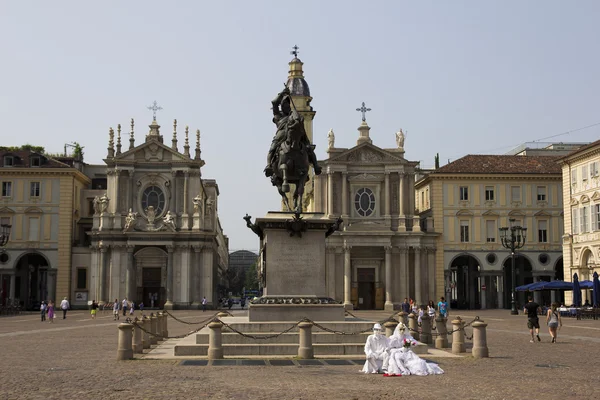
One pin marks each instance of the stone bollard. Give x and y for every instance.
(145, 323)
(441, 341)
(153, 330)
(480, 349)
(222, 314)
(413, 326)
(215, 348)
(159, 319)
(426, 329)
(390, 326)
(305, 350)
(124, 349)
(165, 329)
(458, 336)
(403, 317)
(137, 337)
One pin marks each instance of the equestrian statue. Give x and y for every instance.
(291, 152)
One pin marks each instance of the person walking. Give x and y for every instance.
(533, 322)
(405, 306)
(431, 310)
(94, 309)
(64, 306)
(554, 321)
(204, 304)
(116, 306)
(124, 305)
(132, 309)
(50, 311)
(43, 310)
(443, 307)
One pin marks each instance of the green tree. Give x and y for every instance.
(437, 160)
(251, 282)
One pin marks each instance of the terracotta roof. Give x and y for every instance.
(502, 164)
(22, 159)
(579, 150)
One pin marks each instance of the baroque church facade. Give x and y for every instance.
(383, 252)
(152, 233)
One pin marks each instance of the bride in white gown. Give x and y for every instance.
(402, 360)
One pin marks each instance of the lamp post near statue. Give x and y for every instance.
(4, 234)
(513, 238)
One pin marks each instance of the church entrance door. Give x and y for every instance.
(366, 288)
(151, 272)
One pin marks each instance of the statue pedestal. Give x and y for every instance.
(293, 270)
(196, 225)
(104, 222)
(96, 222)
(117, 221)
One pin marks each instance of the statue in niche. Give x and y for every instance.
(130, 220)
(96, 205)
(169, 221)
(104, 200)
(330, 139)
(150, 215)
(210, 204)
(197, 204)
(400, 136)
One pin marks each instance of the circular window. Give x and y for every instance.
(491, 258)
(543, 259)
(364, 202)
(3, 258)
(153, 196)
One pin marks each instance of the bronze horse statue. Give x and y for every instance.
(291, 152)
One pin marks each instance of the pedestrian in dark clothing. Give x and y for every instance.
(533, 322)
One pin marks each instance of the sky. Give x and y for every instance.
(460, 77)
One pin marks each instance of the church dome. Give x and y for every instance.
(296, 82)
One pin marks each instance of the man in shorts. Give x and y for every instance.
(116, 305)
(533, 322)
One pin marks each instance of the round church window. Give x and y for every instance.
(155, 197)
(364, 202)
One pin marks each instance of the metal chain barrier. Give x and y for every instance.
(452, 331)
(189, 323)
(263, 337)
(179, 336)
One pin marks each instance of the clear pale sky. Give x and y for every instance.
(462, 77)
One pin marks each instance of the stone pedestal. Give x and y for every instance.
(104, 222)
(196, 224)
(293, 270)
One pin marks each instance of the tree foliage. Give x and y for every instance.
(25, 147)
(252, 278)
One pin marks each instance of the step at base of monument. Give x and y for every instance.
(282, 349)
(280, 326)
(285, 338)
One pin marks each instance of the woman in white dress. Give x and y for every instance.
(402, 360)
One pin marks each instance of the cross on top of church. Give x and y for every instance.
(295, 51)
(363, 110)
(154, 108)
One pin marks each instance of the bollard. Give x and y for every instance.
(305, 350)
(159, 326)
(165, 330)
(403, 317)
(137, 337)
(390, 326)
(145, 323)
(441, 342)
(413, 326)
(222, 314)
(426, 329)
(124, 350)
(458, 336)
(215, 348)
(153, 331)
(480, 349)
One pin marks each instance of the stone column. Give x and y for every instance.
(169, 303)
(11, 291)
(330, 193)
(207, 277)
(387, 195)
(215, 347)
(102, 275)
(426, 329)
(305, 349)
(401, 216)
(345, 211)
(317, 197)
(347, 278)
(130, 282)
(197, 298)
(131, 189)
(404, 286)
(537, 295)
(124, 347)
(330, 251)
(389, 306)
(480, 348)
(418, 282)
(173, 204)
(411, 194)
(185, 217)
(431, 272)
(51, 284)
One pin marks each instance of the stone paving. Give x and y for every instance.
(76, 359)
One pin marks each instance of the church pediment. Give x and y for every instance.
(574, 202)
(367, 153)
(33, 210)
(364, 177)
(596, 196)
(464, 213)
(6, 210)
(542, 213)
(152, 151)
(515, 213)
(584, 199)
(490, 213)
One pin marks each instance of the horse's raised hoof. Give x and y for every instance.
(285, 188)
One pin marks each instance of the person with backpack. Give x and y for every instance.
(554, 321)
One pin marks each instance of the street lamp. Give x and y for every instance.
(512, 238)
(4, 234)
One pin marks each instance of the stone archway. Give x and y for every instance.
(524, 276)
(34, 280)
(151, 276)
(465, 276)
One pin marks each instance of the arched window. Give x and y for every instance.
(364, 202)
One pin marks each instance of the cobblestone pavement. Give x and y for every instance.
(76, 359)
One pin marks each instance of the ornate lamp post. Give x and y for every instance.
(4, 234)
(513, 237)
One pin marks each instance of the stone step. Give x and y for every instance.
(349, 326)
(290, 337)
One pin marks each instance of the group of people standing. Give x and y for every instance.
(410, 306)
(48, 308)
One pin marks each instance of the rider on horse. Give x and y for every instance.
(286, 121)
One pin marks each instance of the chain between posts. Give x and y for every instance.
(452, 331)
(193, 323)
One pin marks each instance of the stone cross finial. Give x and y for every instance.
(197, 155)
(295, 51)
(174, 141)
(186, 146)
(131, 138)
(154, 108)
(363, 110)
(118, 139)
